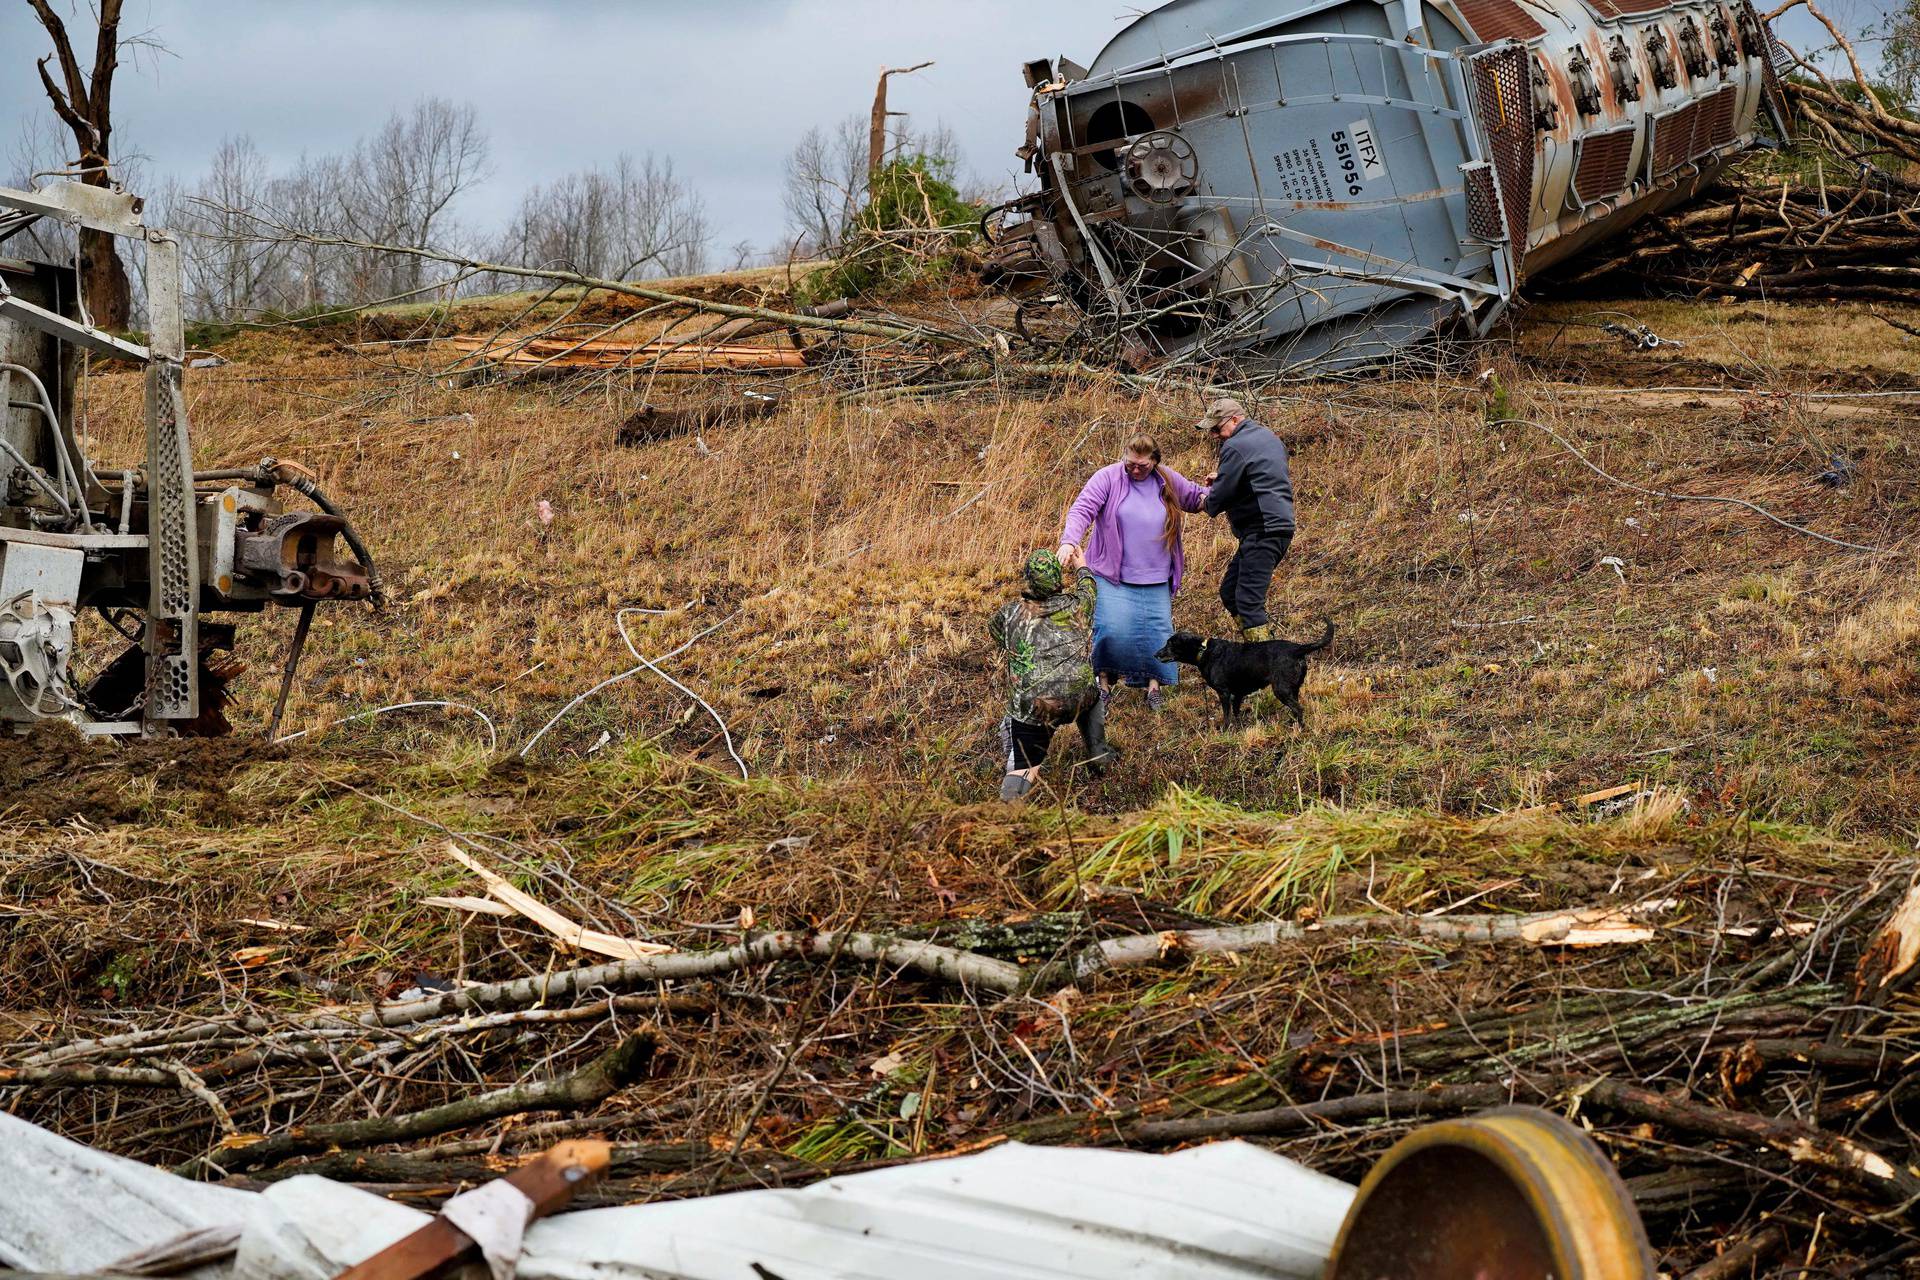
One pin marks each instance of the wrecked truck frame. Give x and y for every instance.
(1321, 183)
(152, 549)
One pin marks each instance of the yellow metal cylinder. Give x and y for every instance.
(1512, 1194)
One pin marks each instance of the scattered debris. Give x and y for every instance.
(569, 933)
(652, 422)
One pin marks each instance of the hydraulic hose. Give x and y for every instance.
(70, 473)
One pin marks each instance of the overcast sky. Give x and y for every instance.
(724, 89)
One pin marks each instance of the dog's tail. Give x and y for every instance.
(1326, 638)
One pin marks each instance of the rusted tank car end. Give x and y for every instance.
(1321, 184)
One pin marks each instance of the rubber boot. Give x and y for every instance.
(1093, 733)
(1256, 634)
(1015, 787)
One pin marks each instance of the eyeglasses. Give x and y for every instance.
(1135, 465)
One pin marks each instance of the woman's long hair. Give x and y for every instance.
(1142, 443)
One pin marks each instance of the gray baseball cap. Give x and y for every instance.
(1218, 412)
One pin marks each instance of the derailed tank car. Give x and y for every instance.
(1325, 181)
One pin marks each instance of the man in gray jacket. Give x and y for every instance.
(1252, 486)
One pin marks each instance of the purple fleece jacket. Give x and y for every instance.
(1099, 506)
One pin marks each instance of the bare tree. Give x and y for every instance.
(633, 221)
(40, 146)
(228, 273)
(308, 197)
(826, 184)
(400, 186)
(84, 103)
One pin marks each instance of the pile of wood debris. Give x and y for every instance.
(1739, 1039)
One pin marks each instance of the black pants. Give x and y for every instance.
(1243, 588)
(1027, 743)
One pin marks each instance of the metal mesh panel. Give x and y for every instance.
(1483, 202)
(1690, 132)
(1773, 61)
(1601, 170)
(1503, 90)
(172, 624)
(1670, 139)
(1717, 120)
(1492, 20)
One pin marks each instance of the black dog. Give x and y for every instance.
(1235, 669)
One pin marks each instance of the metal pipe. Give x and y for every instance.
(294, 650)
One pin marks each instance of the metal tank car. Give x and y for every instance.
(148, 549)
(1322, 183)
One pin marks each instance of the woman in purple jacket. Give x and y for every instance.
(1132, 509)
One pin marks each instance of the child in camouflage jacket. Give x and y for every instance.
(1047, 636)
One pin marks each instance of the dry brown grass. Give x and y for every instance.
(1726, 657)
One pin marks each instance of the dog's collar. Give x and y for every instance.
(1204, 646)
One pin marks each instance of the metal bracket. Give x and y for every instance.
(80, 205)
(80, 335)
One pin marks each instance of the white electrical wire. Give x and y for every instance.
(645, 664)
(493, 735)
(620, 621)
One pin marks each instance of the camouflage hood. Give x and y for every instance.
(1044, 574)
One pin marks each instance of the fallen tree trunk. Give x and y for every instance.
(1581, 927)
(944, 963)
(785, 319)
(1445, 1100)
(1741, 1256)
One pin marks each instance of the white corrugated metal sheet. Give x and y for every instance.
(1028, 1213)
(65, 1207)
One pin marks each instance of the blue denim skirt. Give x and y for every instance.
(1129, 626)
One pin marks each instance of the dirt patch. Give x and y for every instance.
(55, 774)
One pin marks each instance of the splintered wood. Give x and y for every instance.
(568, 932)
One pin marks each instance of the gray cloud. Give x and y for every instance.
(723, 89)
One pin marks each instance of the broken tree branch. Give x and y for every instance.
(1581, 927)
(1741, 1256)
(592, 1084)
(1445, 1100)
(1840, 1158)
(877, 121)
(792, 319)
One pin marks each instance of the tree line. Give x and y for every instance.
(410, 184)
(407, 186)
